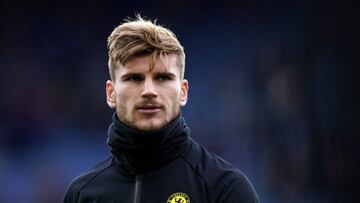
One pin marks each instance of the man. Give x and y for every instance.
(153, 158)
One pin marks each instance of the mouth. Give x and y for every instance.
(149, 109)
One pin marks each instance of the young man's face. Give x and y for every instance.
(147, 99)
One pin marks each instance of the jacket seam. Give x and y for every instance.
(198, 173)
(87, 183)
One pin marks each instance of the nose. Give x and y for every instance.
(149, 89)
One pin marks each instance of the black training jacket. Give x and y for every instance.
(163, 166)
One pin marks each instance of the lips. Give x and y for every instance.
(149, 109)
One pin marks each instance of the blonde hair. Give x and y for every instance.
(141, 37)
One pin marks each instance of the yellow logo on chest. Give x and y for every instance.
(178, 197)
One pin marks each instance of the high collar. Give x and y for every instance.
(138, 151)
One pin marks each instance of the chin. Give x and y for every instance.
(151, 125)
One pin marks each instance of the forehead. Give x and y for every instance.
(142, 64)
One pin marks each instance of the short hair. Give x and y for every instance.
(141, 37)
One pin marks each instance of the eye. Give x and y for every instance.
(163, 78)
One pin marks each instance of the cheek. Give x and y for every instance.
(173, 96)
(123, 97)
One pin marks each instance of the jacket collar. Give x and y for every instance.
(138, 151)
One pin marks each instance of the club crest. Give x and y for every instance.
(178, 197)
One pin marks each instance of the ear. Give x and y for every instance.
(184, 92)
(110, 94)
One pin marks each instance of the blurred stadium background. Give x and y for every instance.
(271, 90)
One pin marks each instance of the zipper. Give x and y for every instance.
(137, 190)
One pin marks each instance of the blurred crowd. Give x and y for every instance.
(271, 91)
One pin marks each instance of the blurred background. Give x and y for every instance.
(271, 91)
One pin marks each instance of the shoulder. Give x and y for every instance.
(224, 181)
(80, 182)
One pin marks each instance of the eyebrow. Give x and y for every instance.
(128, 75)
(168, 74)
